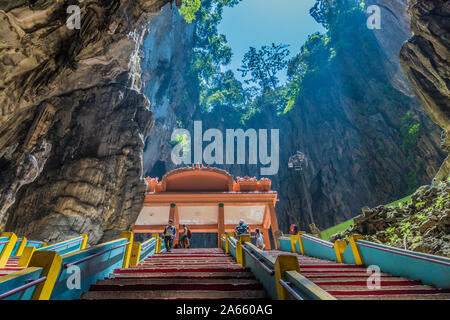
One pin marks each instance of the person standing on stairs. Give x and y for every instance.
(242, 228)
(170, 233)
(185, 236)
(259, 239)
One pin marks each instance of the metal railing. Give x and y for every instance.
(61, 245)
(287, 286)
(29, 283)
(151, 242)
(35, 242)
(401, 253)
(67, 265)
(259, 261)
(231, 243)
(318, 241)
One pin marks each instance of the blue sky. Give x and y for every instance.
(254, 23)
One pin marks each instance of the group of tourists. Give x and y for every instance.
(170, 235)
(242, 228)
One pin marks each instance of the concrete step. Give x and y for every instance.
(330, 277)
(331, 266)
(363, 282)
(174, 286)
(349, 282)
(183, 274)
(186, 275)
(334, 274)
(179, 256)
(333, 271)
(387, 292)
(399, 297)
(134, 281)
(181, 269)
(178, 262)
(200, 250)
(175, 295)
(364, 287)
(187, 258)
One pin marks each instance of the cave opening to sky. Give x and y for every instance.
(281, 22)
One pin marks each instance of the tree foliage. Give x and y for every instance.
(264, 64)
(189, 8)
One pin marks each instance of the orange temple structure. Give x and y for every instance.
(208, 200)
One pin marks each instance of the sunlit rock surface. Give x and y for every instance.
(422, 225)
(73, 120)
(426, 60)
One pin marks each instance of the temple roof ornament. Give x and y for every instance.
(198, 178)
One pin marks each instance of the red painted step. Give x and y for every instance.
(364, 283)
(331, 266)
(177, 286)
(180, 269)
(350, 281)
(183, 274)
(385, 292)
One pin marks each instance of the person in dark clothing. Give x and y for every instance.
(170, 233)
(185, 237)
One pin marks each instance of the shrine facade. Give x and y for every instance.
(208, 200)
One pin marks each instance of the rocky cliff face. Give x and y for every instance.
(165, 64)
(349, 125)
(73, 120)
(426, 61)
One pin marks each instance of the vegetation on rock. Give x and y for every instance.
(422, 225)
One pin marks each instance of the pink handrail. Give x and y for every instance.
(150, 243)
(22, 288)
(93, 256)
(323, 243)
(62, 245)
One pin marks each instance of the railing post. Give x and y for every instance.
(339, 248)
(51, 263)
(239, 252)
(158, 242)
(135, 254)
(282, 264)
(8, 248)
(25, 257)
(84, 243)
(356, 253)
(293, 241)
(21, 247)
(227, 245)
(126, 258)
(300, 242)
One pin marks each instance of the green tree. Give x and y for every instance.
(210, 50)
(264, 64)
(226, 98)
(189, 8)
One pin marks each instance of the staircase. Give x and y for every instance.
(349, 282)
(10, 267)
(194, 274)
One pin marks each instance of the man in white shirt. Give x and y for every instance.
(259, 239)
